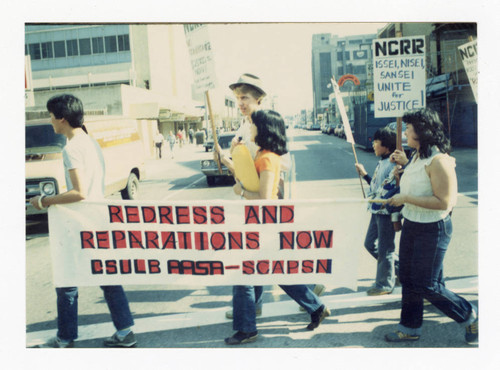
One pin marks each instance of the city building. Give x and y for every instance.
(348, 57)
(448, 88)
(133, 70)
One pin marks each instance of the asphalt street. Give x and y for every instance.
(186, 318)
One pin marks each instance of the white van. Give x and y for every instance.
(121, 146)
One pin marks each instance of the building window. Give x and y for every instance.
(26, 52)
(359, 70)
(325, 71)
(110, 42)
(345, 55)
(97, 45)
(72, 47)
(360, 54)
(47, 50)
(35, 51)
(84, 46)
(123, 43)
(59, 49)
(340, 71)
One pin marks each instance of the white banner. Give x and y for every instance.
(200, 53)
(468, 54)
(207, 243)
(399, 75)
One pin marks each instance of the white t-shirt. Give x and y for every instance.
(159, 138)
(245, 133)
(83, 153)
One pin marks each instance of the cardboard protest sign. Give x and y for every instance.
(468, 54)
(399, 75)
(244, 168)
(206, 242)
(201, 55)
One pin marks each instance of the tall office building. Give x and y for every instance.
(338, 56)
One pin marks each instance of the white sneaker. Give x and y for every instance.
(56, 343)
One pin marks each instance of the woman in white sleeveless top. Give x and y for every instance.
(428, 193)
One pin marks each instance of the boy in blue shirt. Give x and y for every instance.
(379, 241)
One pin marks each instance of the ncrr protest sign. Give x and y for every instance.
(399, 75)
(201, 56)
(207, 243)
(468, 54)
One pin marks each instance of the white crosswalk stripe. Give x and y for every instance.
(217, 316)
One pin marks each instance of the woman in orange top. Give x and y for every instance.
(268, 132)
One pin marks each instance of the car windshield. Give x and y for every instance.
(42, 138)
(394, 126)
(225, 141)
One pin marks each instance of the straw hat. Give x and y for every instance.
(249, 79)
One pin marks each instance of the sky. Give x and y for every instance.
(279, 53)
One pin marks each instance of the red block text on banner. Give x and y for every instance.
(207, 243)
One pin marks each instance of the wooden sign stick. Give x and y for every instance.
(214, 132)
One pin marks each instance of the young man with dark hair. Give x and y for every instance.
(379, 241)
(84, 171)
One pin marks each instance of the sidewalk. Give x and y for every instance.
(156, 168)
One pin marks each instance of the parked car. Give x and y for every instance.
(340, 131)
(338, 127)
(208, 145)
(209, 166)
(404, 139)
(325, 128)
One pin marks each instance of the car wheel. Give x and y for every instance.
(210, 180)
(131, 191)
(206, 149)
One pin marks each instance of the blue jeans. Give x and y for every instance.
(379, 242)
(244, 304)
(67, 310)
(421, 254)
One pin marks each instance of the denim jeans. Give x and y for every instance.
(244, 304)
(379, 242)
(67, 310)
(421, 255)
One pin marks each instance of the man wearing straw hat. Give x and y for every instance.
(249, 94)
